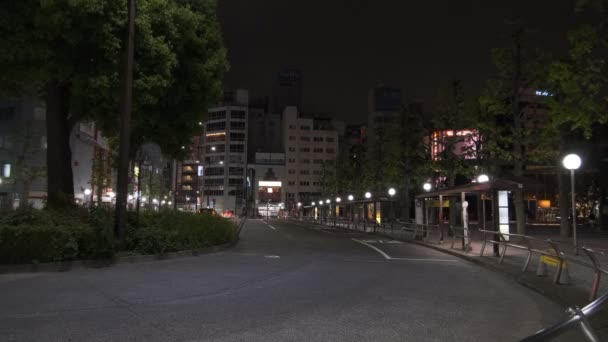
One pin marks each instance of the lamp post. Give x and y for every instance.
(392, 192)
(573, 162)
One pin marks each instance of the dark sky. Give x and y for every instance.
(345, 47)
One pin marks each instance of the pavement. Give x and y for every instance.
(284, 281)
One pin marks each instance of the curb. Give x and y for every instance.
(64, 266)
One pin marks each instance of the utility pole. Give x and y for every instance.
(125, 131)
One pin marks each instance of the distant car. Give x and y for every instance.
(208, 211)
(228, 213)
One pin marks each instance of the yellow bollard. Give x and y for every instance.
(545, 260)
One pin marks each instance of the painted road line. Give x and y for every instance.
(386, 256)
(382, 241)
(424, 259)
(272, 256)
(273, 228)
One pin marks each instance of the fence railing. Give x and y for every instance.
(577, 316)
(555, 250)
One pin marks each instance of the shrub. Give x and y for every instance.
(170, 231)
(30, 236)
(55, 235)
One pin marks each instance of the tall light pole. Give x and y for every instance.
(392, 192)
(573, 162)
(122, 181)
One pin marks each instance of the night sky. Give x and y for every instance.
(344, 47)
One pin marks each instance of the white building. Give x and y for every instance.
(308, 146)
(224, 154)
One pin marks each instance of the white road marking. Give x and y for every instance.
(382, 241)
(272, 256)
(388, 257)
(273, 228)
(424, 259)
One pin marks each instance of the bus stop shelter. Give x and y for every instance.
(430, 206)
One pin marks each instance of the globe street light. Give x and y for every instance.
(368, 195)
(338, 200)
(392, 192)
(573, 162)
(427, 186)
(483, 178)
(351, 197)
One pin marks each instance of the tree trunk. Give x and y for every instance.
(60, 182)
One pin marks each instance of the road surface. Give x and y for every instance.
(284, 281)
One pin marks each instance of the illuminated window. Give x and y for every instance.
(6, 170)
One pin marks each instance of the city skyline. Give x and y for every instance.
(344, 49)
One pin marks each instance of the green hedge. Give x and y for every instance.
(173, 231)
(33, 236)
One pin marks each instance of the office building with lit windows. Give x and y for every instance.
(311, 145)
(223, 161)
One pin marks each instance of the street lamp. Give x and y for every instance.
(351, 197)
(483, 178)
(368, 195)
(573, 162)
(427, 186)
(213, 148)
(87, 192)
(338, 200)
(392, 192)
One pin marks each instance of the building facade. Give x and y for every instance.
(23, 145)
(224, 154)
(309, 149)
(268, 177)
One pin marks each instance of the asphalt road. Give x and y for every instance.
(282, 282)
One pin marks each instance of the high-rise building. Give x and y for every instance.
(309, 146)
(224, 154)
(265, 131)
(287, 90)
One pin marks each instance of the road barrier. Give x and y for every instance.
(577, 316)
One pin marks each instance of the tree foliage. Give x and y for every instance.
(70, 53)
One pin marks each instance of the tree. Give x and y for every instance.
(578, 83)
(69, 53)
(451, 129)
(512, 142)
(409, 164)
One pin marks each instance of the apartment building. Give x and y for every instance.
(309, 145)
(224, 154)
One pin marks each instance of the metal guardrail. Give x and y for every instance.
(555, 251)
(464, 233)
(577, 316)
